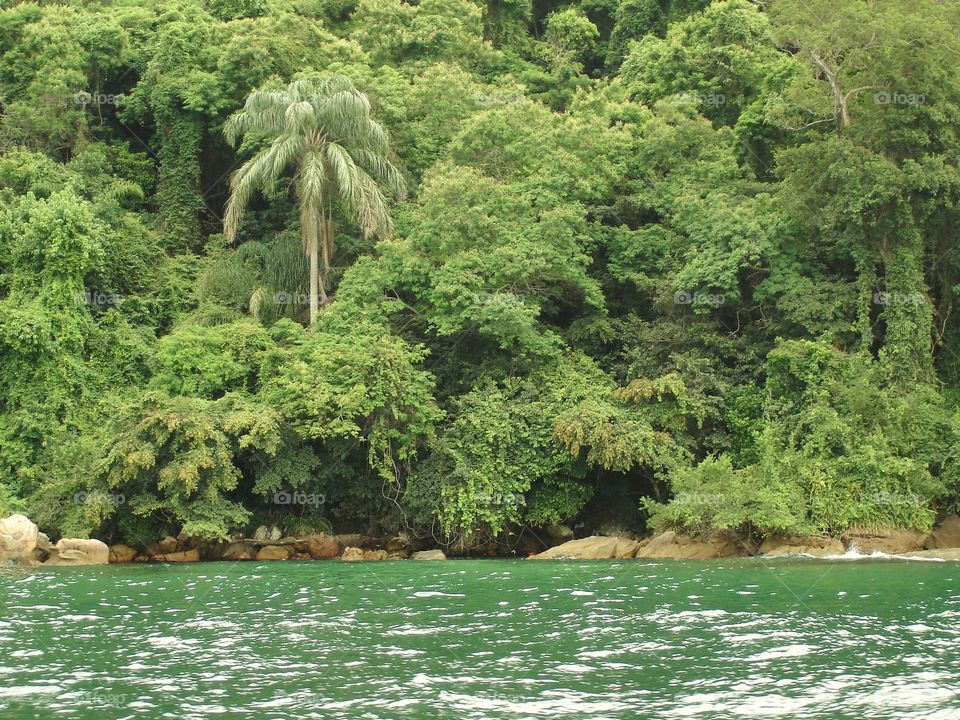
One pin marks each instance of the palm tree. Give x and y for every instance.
(323, 132)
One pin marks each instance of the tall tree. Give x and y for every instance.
(323, 130)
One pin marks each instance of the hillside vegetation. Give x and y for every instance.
(458, 268)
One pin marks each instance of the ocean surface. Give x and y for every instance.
(747, 638)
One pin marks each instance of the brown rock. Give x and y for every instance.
(178, 557)
(43, 543)
(945, 535)
(671, 546)
(121, 554)
(364, 542)
(274, 552)
(429, 555)
(626, 548)
(323, 547)
(76, 551)
(885, 541)
(167, 545)
(352, 554)
(396, 544)
(597, 547)
(18, 537)
(374, 554)
(239, 551)
(815, 545)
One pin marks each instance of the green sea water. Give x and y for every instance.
(746, 638)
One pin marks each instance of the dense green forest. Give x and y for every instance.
(457, 268)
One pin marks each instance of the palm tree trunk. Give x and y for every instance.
(326, 247)
(308, 223)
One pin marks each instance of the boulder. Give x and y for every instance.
(121, 554)
(671, 546)
(274, 552)
(167, 545)
(77, 551)
(26, 562)
(239, 551)
(626, 547)
(397, 544)
(41, 553)
(184, 556)
(893, 542)
(374, 554)
(189, 542)
(356, 540)
(352, 554)
(801, 545)
(323, 547)
(18, 537)
(43, 543)
(945, 535)
(597, 547)
(561, 533)
(266, 534)
(429, 555)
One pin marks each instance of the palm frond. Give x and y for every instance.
(256, 173)
(382, 170)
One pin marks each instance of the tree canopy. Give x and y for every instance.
(464, 268)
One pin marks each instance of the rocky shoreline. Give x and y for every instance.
(23, 545)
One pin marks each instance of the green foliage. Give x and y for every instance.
(715, 496)
(351, 380)
(177, 460)
(210, 362)
(695, 258)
